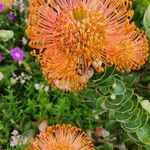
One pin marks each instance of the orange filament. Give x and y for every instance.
(62, 137)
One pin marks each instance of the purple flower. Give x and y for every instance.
(1, 7)
(1, 58)
(17, 54)
(11, 17)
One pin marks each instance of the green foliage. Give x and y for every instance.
(124, 105)
(146, 21)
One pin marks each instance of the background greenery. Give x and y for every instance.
(24, 106)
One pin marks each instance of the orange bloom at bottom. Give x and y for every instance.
(62, 137)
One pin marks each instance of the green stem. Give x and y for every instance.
(3, 48)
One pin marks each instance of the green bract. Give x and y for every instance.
(6, 35)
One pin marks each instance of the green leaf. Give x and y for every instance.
(136, 114)
(127, 95)
(29, 133)
(104, 89)
(105, 147)
(146, 105)
(110, 125)
(129, 105)
(122, 117)
(132, 126)
(118, 87)
(129, 79)
(6, 35)
(135, 138)
(117, 99)
(101, 77)
(146, 21)
(147, 147)
(107, 105)
(108, 82)
(144, 134)
(126, 106)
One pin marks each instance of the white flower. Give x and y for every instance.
(13, 80)
(43, 125)
(96, 117)
(1, 76)
(46, 88)
(106, 133)
(22, 81)
(24, 41)
(14, 75)
(88, 74)
(37, 86)
(15, 132)
(22, 74)
(25, 140)
(14, 141)
(19, 63)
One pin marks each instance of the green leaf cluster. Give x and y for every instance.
(123, 105)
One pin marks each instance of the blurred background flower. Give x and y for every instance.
(11, 16)
(1, 7)
(1, 58)
(17, 54)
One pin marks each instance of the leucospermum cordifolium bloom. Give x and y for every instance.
(62, 137)
(74, 38)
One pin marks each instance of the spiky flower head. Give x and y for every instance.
(72, 38)
(131, 51)
(62, 137)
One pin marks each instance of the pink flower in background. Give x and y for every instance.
(1, 58)
(11, 16)
(17, 54)
(1, 7)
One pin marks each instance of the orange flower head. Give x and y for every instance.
(7, 3)
(62, 137)
(72, 36)
(61, 72)
(131, 52)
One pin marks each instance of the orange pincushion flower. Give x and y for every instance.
(74, 35)
(61, 72)
(62, 137)
(131, 51)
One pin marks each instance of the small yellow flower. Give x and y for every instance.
(62, 137)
